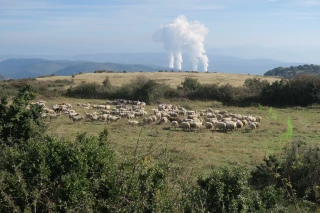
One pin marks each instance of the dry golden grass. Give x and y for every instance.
(172, 78)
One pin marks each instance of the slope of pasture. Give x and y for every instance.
(172, 78)
(199, 149)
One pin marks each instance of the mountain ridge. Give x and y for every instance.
(131, 62)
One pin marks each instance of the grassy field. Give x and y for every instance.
(172, 78)
(199, 150)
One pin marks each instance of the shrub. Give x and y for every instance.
(298, 174)
(228, 190)
(17, 122)
(301, 90)
(190, 84)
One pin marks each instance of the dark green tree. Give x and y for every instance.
(20, 121)
(190, 84)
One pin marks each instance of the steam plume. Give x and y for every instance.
(183, 36)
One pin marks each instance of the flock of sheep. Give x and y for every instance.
(136, 114)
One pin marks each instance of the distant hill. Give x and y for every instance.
(131, 62)
(2, 77)
(35, 67)
(92, 66)
(217, 63)
(32, 67)
(292, 71)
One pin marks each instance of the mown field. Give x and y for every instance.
(199, 150)
(171, 78)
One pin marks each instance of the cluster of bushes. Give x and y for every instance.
(140, 88)
(103, 71)
(301, 90)
(41, 173)
(9, 88)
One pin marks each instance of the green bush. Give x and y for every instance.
(298, 174)
(18, 123)
(228, 190)
(298, 91)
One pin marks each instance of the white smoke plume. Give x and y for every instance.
(183, 36)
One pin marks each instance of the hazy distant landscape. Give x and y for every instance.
(26, 66)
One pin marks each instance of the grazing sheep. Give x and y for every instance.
(53, 116)
(90, 115)
(231, 125)
(245, 122)
(211, 115)
(258, 118)
(195, 125)
(211, 120)
(103, 117)
(163, 120)
(113, 118)
(154, 118)
(130, 116)
(257, 124)
(133, 122)
(138, 114)
(105, 111)
(148, 120)
(73, 114)
(209, 126)
(221, 126)
(95, 118)
(252, 126)
(239, 124)
(222, 112)
(185, 126)
(173, 114)
(77, 119)
(226, 119)
(175, 124)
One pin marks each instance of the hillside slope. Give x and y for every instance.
(34, 67)
(2, 77)
(92, 66)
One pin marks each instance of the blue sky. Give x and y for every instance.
(97, 26)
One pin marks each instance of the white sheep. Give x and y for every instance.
(239, 124)
(53, 116)
(130, 115)
(252, 126)
(163, 120)
(175, 124)
(77, 119)
(209, 125)
(221, 126)
(113, 118)
(185, 126)
(258, 118)
(231, 125)
(133, 122)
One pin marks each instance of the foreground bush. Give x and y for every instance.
(298, 174)
(228, 190)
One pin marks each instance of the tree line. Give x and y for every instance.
(288, 72)
(302, 90)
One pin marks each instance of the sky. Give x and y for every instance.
(287, 30)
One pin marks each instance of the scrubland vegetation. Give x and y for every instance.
(61, 166)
